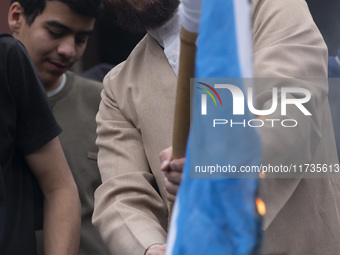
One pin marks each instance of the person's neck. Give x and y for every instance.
(51, 86)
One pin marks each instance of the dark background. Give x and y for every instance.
(326, 14)
(111, 45)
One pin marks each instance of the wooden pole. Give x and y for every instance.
(182, 107)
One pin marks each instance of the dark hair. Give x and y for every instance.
(89, 8)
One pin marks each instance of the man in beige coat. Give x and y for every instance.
(135, 125)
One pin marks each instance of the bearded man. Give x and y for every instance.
(135, 123)
(133, 215)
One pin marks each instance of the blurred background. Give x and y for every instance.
(111, 45)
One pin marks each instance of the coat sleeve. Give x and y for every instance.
(129, 212)
(287, 44)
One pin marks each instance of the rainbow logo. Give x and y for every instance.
(204, 97)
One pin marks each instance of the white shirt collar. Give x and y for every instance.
(168, 37)
(57, 90)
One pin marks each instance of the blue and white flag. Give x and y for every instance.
(215, 213)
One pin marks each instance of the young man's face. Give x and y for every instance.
(56, 39)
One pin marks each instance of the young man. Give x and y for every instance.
(135, 122)
(55, 35)
(31, 157)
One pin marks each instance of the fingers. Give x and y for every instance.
(172, 182)
(174, 177)
(156, 249)
(177, 164)
(170, 197)
(165, 158)
(171, 187)
(168, 164)
(171, 190)
(173, 173)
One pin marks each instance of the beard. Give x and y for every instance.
(137, 16)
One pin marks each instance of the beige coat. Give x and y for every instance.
(135, 124)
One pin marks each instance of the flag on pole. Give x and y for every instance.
(216, 214)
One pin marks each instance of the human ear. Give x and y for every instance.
(16, 17)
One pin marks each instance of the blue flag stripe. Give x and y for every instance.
(217, 216)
